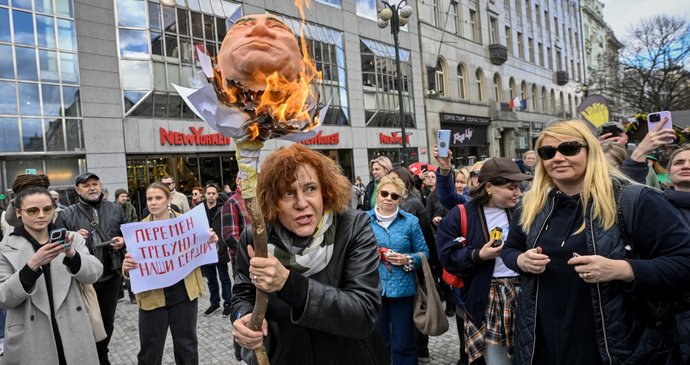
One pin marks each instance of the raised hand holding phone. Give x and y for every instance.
(664, 118)
(443, 142)
(657, 136)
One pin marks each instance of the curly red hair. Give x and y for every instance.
(279, 172)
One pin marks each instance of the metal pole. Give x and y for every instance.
(395, 28)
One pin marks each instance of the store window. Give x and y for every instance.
(61, 172)
(381, 87)
(325, 47)
(39, 77)
(156, 49)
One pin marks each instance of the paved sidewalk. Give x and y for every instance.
(215, 339)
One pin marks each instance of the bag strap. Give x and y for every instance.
(463, 220)
(95, 223)
(626, 196)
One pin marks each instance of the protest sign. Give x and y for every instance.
(167, 251)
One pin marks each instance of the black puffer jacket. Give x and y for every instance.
(622, 337)
(334, 321)
(110, 215)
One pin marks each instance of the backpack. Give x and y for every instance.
(657, 307)
(448, 278)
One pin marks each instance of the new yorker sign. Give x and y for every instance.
(321, 139)
(196, 137)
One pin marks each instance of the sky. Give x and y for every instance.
(622, 14)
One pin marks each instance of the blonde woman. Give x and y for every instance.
(565, 241)
(400, 240)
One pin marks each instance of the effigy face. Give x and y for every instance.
(255, 47)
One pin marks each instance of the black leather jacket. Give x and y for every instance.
(110, 215)
(338, 320)
(622, 337)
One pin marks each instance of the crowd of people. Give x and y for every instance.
(564, 257)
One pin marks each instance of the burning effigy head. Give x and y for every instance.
(255, 47)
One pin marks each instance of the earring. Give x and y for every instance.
(489, 193)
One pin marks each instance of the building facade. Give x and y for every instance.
(601, 51)
(479, 55)
(90, 86)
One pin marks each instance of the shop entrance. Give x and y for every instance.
(186, 171)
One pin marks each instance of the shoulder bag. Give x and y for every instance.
(93, 310)
(429, 317)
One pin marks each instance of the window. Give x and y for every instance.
(157, 49)
(523, 91)
(513, 88)
(335, 3)
(454, 13)
(537, 15)
(530, 49)
(462, 82)
(476, 27)
(518, 8)
(541, 54)
(520, 46)
(547, 22)
(528, 10)
(579, 72)
(550, 57)
(366, 9)
(493, 30)
(572, 68)
(40, 108)
(380, 86)
(559, 61)
(555, 25)
(553, 102)
(544, 98)
(498, 90)
(570, 104)
(437, 13)
(509, 40)
(481, 92)
(534, 98)
(437, 79)
(561, 106)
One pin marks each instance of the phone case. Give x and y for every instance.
(443, 142)
(497, 235)
(663, 114)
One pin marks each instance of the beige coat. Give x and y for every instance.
(28, 331)
(180, 200)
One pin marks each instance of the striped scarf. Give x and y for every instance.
(313, 258)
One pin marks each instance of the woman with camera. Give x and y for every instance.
(40, 278)
(590, 248)
(491, 289)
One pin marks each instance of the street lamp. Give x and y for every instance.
(398, 15)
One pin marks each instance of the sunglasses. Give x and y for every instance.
(568, 149)
(34, 210)
(385, 194)
(474, 173)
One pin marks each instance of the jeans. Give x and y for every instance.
(2, 323)
(153, 328)
(212, 279)
(397, 329)
(107, 292)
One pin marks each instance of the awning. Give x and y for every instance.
(385, 50)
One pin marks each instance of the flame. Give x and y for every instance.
(290, 103)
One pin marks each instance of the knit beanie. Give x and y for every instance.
(120, 191)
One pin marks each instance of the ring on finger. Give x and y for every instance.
(587, 275)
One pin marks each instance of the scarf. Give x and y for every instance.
(315, 256)
(385, 220)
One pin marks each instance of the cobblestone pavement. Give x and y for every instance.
(215, 339)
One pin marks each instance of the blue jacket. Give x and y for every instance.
(621, 336)
(465, 261)
(445, 190)
(404, 235)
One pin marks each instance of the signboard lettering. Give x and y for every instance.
(394, 138)
(330, 139)
(175, 138)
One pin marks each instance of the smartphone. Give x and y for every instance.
(443, 142)
(610, 128)
(653, 119)
(425, 168)
(59, 236)
(497, 235)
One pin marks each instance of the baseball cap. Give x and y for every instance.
(85, 176)
(501, 167)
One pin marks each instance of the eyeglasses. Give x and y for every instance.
(570, 148)
(34, 210)
(385, 194)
